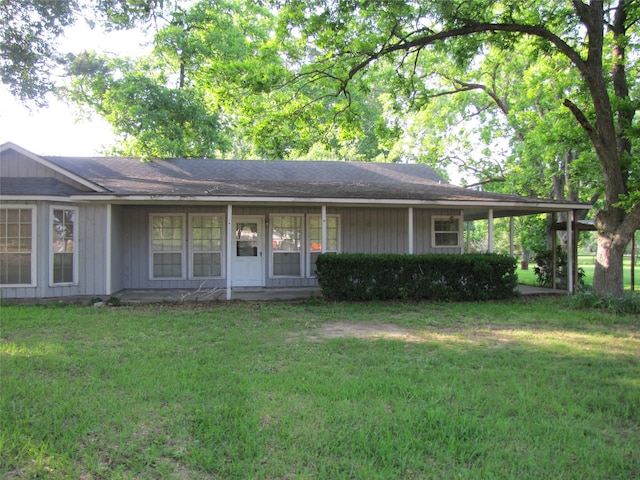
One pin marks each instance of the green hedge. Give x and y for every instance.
(469, 277)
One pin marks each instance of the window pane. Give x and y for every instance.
(287, 264)
(313, 259)
(286, 232)
(62, 267)
(167, 230)
(446, 225)
(447, 239)
(15, 246)
(63, 230)
(207, 265)
(167, 265)
(25, 216)
(206, 233)
(315, 234)
(167, 245)
(446, 231)
(15, 269)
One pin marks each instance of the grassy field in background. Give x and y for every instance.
(524, 389)
(587, 262)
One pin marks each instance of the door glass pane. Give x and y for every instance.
(247, 239)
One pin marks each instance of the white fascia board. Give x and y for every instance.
(548, 206)
(511, 204)
(34, 198)
(46, 163)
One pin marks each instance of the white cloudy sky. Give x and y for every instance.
(59, 129)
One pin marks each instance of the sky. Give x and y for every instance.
(59, 129)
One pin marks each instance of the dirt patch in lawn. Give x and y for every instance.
(389, 331)
(362, 330)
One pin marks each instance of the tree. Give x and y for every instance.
(216, 85)
(30, 29)
(598, 39)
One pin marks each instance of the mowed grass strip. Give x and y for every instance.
(525, 389)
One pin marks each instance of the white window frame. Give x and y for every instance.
(435, 218)
(308, 252)
(34, 236)
(273, 251)
(182, 251)
(191, 250)
(52, 254)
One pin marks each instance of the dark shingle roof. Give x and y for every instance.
(249, 178)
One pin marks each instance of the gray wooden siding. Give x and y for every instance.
(92, 253)
(91, 246)
(366, 230)
(374, 230)
(117, 249)
(16, 165)
(363, 230)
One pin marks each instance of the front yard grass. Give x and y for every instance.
(522, 389)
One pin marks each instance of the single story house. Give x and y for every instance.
(97, 226)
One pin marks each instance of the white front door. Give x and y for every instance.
(247, 255)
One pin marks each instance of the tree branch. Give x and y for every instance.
(583, 121)
(486, 182)
(470, 29)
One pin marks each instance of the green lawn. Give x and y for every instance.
(586, 262)
(524, 389)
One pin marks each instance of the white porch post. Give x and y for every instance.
(570, 265)
(468, 236)
(410, 233)
(511, 236)
(490, 232)
(324, 228)
(229, 248)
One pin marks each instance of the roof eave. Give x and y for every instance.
(541, 206)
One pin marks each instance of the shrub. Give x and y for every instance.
(586, 298)
(544, 267)
(419, 277)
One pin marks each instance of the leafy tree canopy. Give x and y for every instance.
(217, 85)
(595, 48)
(30, 31)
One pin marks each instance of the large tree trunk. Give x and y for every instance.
(607, 277)
(615, 231)
(615, 226)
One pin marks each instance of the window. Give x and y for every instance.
(167, 246)
(207, 232)
(17, 245)
(446, 231)
(286, 239)
(314, 238)
(63, 245)
(170, 256)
